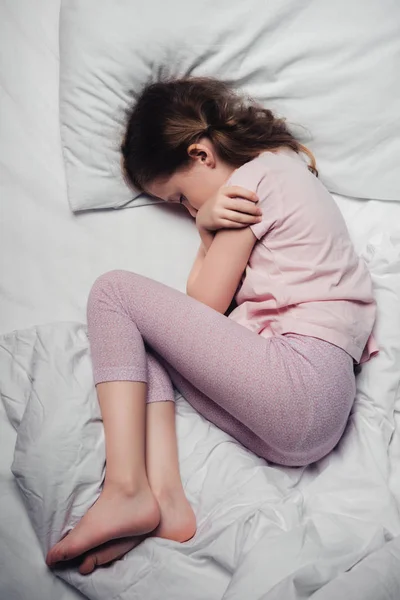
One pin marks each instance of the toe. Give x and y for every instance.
(107, 553)
(62, 551)
(56, 554)
(67, 549)
(88, 565)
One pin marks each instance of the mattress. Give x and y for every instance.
(337, 522)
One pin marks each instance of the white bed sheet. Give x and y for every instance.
(49, 257)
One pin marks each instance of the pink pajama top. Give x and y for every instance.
(303, 275)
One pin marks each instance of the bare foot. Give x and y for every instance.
(116, 514)
(178, 523)
(108, 553)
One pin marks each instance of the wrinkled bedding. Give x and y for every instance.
(263, 531)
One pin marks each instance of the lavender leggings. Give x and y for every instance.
(286, 398)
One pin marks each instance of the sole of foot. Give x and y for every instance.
(116, 514)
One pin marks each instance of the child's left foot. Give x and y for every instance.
(178, 523)
(118, 513)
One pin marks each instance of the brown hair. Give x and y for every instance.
(169, 116)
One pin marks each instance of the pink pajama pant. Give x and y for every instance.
(286, 398)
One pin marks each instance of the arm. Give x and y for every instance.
(219, 270)
(206, 241)
(198, 263)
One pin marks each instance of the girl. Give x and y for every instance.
(278, 373)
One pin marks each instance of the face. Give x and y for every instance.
(193, 185)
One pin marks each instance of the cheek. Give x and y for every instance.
(199, 189)
(195, 202)
(194, 198)
(200, 194)
(191, 209)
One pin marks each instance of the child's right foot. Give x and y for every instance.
(118, 513)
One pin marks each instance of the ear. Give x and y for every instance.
(203, 152)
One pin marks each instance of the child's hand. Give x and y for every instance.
(232, 207)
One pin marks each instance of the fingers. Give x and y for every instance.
(226, 224)
(241, 217)
(244, 206)
(236, 191)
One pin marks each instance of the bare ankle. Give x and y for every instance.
(126, 486)
(167, 491)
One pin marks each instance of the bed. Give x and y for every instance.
(265, 533)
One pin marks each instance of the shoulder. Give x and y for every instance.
(250, 174)
(267, 168)
(258, 176)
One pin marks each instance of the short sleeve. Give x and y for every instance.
(260, 229)
(256, 177)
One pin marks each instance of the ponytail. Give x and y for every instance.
(170, 116)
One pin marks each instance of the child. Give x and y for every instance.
(278, 373)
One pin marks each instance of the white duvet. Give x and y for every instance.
(264, 532)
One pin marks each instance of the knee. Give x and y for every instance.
(105, 287)
(291, 454)
(296, 456)
(110, 279)
(297, 449)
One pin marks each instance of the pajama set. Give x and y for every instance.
(278, 372)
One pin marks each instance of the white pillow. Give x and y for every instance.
(329, 67)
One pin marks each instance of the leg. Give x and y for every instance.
(255, 384)
(291, 393)
(126, 473)
(126, 505)
(217, 415)
(178, 522)
(226, 362)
